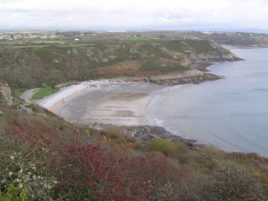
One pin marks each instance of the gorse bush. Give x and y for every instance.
(164, 146)
(232, 182)
(23, 174)
(13, 194)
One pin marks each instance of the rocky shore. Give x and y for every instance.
(187, 77)
(145, 133)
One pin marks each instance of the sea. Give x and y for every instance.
(230, 113)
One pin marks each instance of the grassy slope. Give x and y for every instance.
(32, 64)
(42, 92)
(77, 163)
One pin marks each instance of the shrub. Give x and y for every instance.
(172, 191)
(206, 161)
(231, 182)
(93, 171)
(102, 172)
(164, 146)
(24, 175)
(13, 194)
(75, 164)
(182, 147)
(117, 137)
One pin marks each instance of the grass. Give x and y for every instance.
(18, 91)
(61, 42)
(162, 65)
(42, 44)
(141, 38)
(200, 46)
(43, 92)
(197, 46)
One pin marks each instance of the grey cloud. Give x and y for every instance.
(195, 14)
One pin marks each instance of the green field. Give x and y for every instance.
(43, 92)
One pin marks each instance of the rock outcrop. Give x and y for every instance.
(146, 133)
(190, 76)
(8, 99)
(5, 95)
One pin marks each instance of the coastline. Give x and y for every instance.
(115, 101)
(97, 105)
(67, 93)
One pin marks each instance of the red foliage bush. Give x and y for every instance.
(32, 133)
(95, 171)
(113, 175)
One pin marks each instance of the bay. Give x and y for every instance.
(231, 113)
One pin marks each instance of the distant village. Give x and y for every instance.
(27, 35)
(44, 35)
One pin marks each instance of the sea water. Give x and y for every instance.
(231, 113)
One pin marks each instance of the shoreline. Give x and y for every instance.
(120, 104)
(117, 101)
(68, 92)
(121, 109)
(171, 79)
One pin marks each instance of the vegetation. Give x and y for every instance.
(35, 63)
(42, 92)
(13, 194)
(18, 91)
(42, 157)
(164, 146)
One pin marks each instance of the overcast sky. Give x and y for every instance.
(244, 15)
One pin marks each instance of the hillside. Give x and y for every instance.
(238, 39)
(43, 157)
(234, 39)
(28, 64)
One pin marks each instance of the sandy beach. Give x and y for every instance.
(121, 101)
(120, 109)
(115, 102)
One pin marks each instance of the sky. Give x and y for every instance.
(205, 15)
